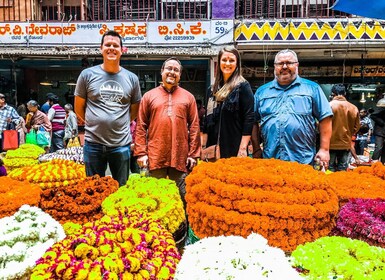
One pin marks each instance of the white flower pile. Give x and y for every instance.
(234, 258)
(24, 238)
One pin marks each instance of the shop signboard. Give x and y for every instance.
(133, 33)
(305, 71)
(368, 71)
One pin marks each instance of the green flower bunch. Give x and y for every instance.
(159, 198)
(339, 258)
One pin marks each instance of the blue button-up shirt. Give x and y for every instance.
(288, 117)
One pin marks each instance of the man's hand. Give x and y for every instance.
(143, 161)
(324, 158)
(190, 163)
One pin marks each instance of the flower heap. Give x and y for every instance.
(377, 169)
(361, 184)
(74, 153)
(79, 202)
(24, 237)
(286, 202)
(25, 155)
(159, 198)
(124, 247)
(14, 194)
(55, 173)
(234, 257)
(363, 219)
(339, 258)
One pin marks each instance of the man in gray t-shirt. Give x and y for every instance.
(107, 98)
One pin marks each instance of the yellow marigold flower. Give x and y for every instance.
(65, 258)
(135, 264)
(105, 249)
(94, 275)
(112, 276)
(127, 276)
(144, 273)
(81, 274)
(164, 273)
(60, 269)
(82, 250)
(68, 274)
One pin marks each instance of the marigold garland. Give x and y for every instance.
(360, 184)
(159, 198)
(363, 219)
(286, 202)
(14, 194)
(51, 174)
(25, 155)
(339, 258)
(129, 247)
(79, 202)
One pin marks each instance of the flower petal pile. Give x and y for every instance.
(24, 237)
(357, 184)
(50, 174)
(79, 202)
(25, 155)
(159, 198)
(74, 153)
(363, 219)
(14, 194)
(377, 169)
(286, 202)
(339, 258)
(234, 257)
(129, 247)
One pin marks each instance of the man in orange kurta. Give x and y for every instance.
(167, 137)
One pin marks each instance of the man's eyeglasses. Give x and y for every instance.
(169, 69)
(288, 63)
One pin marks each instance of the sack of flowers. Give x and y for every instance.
(24, 237)
(234, 257)
(14, 194)
(363, 219)
(132, 246)
(74, 153)
(79, 202)
(338, 257)
(357, 185)
(50, 174)
(159, 198)
(286, 202)
(25, 155)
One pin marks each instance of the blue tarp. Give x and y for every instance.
(369, 8)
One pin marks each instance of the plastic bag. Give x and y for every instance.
(73, 142)
(30, 138)
(43, 137)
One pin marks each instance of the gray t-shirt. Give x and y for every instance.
(108, 100)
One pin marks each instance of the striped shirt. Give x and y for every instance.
(57, 115)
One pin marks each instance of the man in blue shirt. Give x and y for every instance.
(290, 109)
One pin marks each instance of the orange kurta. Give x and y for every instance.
(167, 128)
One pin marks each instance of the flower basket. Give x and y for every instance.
(24, 237)
(79, 202)
(339, 258)
(74, 153)
(159, 198)
(14, 194)
(129, 247)
(25, 155)
(286, 202)
(50, 174)
(234, 257)
(363, 219)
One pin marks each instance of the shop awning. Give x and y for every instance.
(370, 8)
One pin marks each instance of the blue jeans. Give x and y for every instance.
(96, 157)
(339, 160)
(57, 142)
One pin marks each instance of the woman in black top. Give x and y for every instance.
(230, 105)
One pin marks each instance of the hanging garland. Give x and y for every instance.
(125, 247)
(286, 202)
(14, 194)
(339, 258)
(79, 202)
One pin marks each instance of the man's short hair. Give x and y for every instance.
(112, 33)
(339, 89)
(2, 96)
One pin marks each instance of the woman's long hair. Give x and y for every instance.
(221, 89)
